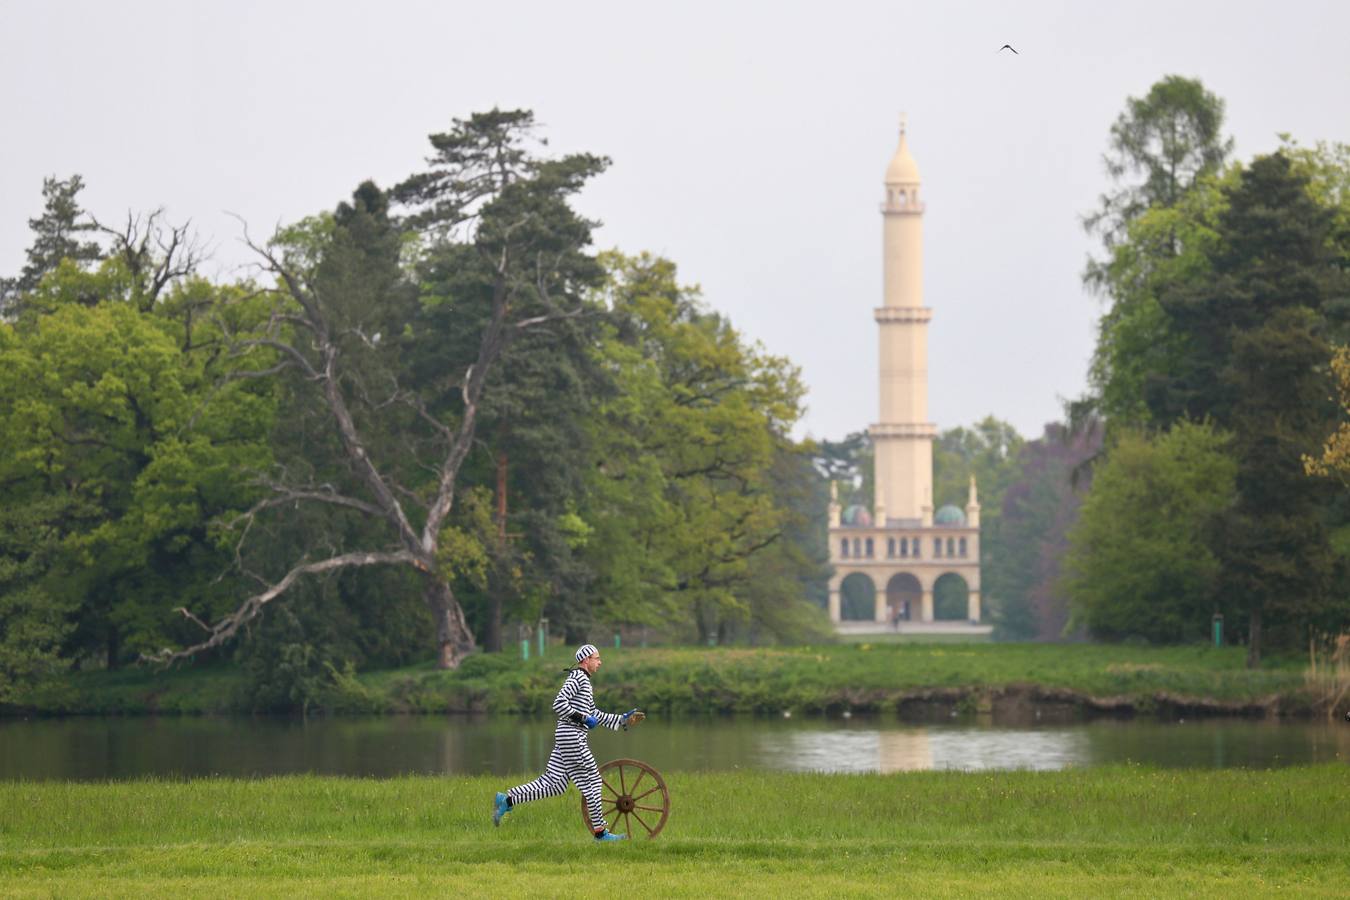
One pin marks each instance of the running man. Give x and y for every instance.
(571, 758)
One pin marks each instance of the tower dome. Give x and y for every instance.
(949, 515)
(903, 169)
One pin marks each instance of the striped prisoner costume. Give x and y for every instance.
(571, 757)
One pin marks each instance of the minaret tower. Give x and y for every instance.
(903, 438)
(896, 563)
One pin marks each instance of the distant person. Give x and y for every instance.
(571, 758)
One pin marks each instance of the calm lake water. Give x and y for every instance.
(93, 749)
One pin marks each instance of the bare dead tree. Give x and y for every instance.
(302, 336)
(509, 209)
(154, 253)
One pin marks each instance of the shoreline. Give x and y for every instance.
(1008, 683)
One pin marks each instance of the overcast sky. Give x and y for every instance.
(748, 140)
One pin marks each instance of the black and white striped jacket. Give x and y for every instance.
(575, 701)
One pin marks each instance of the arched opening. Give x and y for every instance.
(951, 598)
(904, 598)
(857, 599)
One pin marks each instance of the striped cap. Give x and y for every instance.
(586, 650)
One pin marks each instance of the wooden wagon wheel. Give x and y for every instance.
(630, 790)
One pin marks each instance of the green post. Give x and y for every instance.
(542, 638)
(525, 649)
(1218, 629)
(616, 640)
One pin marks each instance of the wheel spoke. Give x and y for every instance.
(636, 781)
(653, 790)
(648, 808)
(621, 781)
(644, 824)
(628, 825)
(608, 785)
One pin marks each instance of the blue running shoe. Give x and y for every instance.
(500, 807)
(608, 835)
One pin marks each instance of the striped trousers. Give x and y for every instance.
(571, 759)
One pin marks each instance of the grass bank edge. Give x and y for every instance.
(970, 678)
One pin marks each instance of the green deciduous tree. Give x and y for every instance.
(687, 498)
(1161, 146)
(1166, 152)
(1334, 460)
(118, 450)
(1140, 562)
(987, 450)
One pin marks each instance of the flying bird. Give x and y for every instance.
(1008, 47)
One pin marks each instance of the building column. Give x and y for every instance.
(834, 605)
(975, 606)
(926, 614)
(879, 605)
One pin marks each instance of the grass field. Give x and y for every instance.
(865, 676)
(1102, 832)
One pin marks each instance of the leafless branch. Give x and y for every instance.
(323, 493)
(154, 254)
(226, 628)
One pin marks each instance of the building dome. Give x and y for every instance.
(903, 169)
(857, 516)
(949, 515)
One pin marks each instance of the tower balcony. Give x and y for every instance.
(886, 314)
(911, 431)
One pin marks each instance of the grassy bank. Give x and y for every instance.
(864, 677)
(1100, 832)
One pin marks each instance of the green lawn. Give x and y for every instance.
(866, 676)
(1102, 832)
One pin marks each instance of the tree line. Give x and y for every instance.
(436, 410)
(432, 412)
(1226, 289)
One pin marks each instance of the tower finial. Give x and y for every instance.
(902, 124)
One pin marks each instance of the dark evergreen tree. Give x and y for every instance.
(56, 236)
(1257, 365)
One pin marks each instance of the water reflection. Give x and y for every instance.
(87, 749)
(909, 750)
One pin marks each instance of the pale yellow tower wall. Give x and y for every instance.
(902, 252)
(902, 441)
(903, 354)
(901, 464)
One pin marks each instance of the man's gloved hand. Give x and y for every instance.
(632, 717)
(591, 721)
